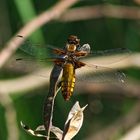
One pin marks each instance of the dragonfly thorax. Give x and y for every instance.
(71, 47)
(70, 58)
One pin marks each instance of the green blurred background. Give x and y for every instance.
(101, 33)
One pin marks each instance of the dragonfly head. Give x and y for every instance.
(72, 43)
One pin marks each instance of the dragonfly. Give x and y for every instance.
(70, 59)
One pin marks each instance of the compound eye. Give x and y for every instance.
(73, 40)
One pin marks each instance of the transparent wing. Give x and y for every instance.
(25, 65)
(115, 55)
(99, 74)
(33, 56)
(110, 52)
(37, 50)
(87, 48)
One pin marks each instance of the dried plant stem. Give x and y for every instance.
(133, 134)
(137, 1)
(99, 11)
(49, 101)
(35, 80)
(10, 116)
(34, 24)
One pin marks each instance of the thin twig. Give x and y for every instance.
(99, 11)
(22, 84)
(34, 24)
(137, 1)
(10, 117)
(133, 134)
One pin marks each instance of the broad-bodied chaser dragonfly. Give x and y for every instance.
(69, 59)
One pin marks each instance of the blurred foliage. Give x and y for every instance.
(101, 34)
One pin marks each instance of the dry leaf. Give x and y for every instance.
(30, 131)
(72, 125)
(55, 130)
(74, 122)
(58, 132)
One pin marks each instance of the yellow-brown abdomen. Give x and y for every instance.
(68, 80)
